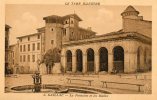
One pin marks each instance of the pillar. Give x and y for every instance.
(84, 62)
(73, 62)
(130, 62)
(127, 56)
(110, 61)
(96, 61)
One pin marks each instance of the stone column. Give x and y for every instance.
(84, 62)
(130, 62)
(96, 62)
(127, 62)
(110, 61)
(73, 62)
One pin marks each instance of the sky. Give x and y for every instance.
(25, 19)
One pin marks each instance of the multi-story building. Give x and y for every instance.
(7, 50)
(14, 61)
(29, 52)
(56, 31)
(127, 50)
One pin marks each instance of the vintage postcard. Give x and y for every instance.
(78, 50)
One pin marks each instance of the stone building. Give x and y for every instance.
(125, 51)
(29, 52)
(14, 61)
(56, 31)
(7, 50)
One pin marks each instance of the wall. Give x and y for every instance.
(14, 57)
(136, 25)
(29, 66)
(52, 32)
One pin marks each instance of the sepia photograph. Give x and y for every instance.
(77, 49)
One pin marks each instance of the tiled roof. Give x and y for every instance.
(130, 9)
(28, 35)
(63, 17)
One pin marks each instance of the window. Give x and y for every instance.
(38, 36)
(52, 29)
(38, 46)
(28, 47)
(72, 22)
(24, 48)
(51, 41)
(13, 54)
(66, 22)
(33, 46)
(33, 58)
(28, 58)
(28, 38)
(64, 32)
(13, 61)
(24, 58)
(20, 58)
(20, 48)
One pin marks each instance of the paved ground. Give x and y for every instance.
(145, 78)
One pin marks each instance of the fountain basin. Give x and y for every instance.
(55, 88)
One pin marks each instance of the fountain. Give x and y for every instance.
(37, 82)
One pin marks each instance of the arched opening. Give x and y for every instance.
(79, 60)
(90, 60)
(69, 60)
(103, 56)
(118, 62)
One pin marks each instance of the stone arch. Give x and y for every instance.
(118, 59)
(69, 60)
(79, 60)
(103, 59)
(90, 60)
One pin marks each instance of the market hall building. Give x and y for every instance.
(126, 51)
